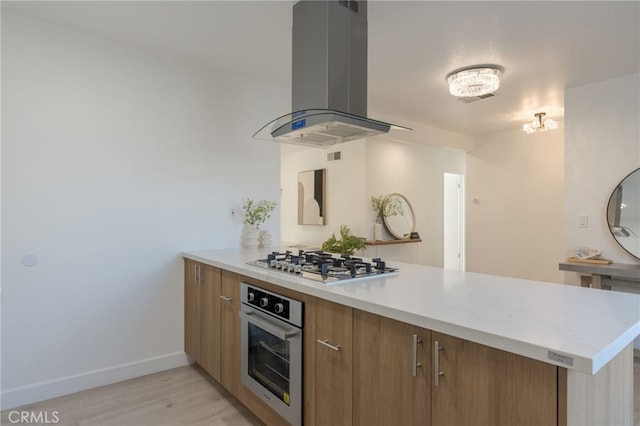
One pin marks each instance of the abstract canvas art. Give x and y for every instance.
(311, 197)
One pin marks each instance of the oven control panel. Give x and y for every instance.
(274, 304)
(268, 302)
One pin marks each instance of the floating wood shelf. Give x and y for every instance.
(390, 242)
(593, 261)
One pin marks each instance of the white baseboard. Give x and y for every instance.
(41, 391)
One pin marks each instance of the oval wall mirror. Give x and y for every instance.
(400, 225)
(623, 213)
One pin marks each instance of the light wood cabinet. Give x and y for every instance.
(192, 308)
(361, 368)
(391, 372)
(212, 327)
(333, 363)
(480, 385)
(202, 316)
(230, 332)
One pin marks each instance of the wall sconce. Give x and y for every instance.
(476, 80)
(539, 124)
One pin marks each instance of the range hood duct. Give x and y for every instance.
(329, 77)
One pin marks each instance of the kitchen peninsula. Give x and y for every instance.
(511, 349)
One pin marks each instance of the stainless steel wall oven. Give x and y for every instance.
(271, 349)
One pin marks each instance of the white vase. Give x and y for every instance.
(377, 231)
(250, 236)
(265, 238)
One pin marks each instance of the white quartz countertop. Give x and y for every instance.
(574, 327)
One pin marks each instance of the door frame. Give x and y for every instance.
(453, 238)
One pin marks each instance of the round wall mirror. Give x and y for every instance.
(623, 213)
(402, 224)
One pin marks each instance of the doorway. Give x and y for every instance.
(453, 238)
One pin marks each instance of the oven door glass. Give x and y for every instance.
(269, 361)
(272, 360)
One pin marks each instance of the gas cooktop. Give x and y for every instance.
(324, 267)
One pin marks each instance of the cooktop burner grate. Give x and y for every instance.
(325, 267)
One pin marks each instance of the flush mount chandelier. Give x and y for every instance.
(540, 125)
(475, 80)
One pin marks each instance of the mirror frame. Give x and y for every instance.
(413, 218)
(611, 212)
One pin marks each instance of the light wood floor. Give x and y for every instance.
(182, 396)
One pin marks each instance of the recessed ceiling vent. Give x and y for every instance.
(469, 99)
(329, 77)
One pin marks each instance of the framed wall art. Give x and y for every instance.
(311, 197)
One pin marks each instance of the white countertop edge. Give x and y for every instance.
(613, 349)
(583, 364)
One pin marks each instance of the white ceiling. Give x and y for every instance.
(544, 46)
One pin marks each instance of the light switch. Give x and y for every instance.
(583, 221)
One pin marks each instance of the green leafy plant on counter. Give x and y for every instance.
(347, 244)
(384, 206)
(257, 213)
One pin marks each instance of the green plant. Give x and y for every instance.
(386, 206)
(347, 244)
(257, 213)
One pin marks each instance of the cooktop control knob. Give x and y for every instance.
(279, 308)
(251, 297)
(264, 302)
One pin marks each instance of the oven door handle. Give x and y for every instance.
(284, 334)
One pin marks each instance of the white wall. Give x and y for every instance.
(417, 172)
(345, 197)
(423, 134)
(514, 226)
(376, 166)
(114, 160)
(602, 146)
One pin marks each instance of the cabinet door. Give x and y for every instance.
(391, 366)
(210, 321)
(192, 308)
(333, 363)
(230, 332)
(485, 386)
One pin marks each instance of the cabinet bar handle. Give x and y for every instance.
(414, 363)
(327, 344)
(198, 272)
(226, 299)
(436, 363)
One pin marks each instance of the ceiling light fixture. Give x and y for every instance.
(476, 80)
(540, 125)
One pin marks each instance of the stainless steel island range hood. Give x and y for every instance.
(329, 77)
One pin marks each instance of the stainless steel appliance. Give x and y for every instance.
(271, 349)
(324, 267)
(329, 77)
